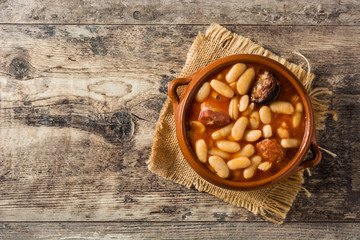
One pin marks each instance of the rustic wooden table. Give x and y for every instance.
(82, 84)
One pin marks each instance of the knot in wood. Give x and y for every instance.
(19, 68)
(98, 46)
(119, 127)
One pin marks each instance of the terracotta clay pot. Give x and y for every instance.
(181, 109)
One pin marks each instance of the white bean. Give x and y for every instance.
(220, 76)
(219, 153)
(228, 146)
(233, 86)
(254, 120)
(219, 165)
(295, 98)
(264, 166)
(197, 127)
(239, 163)
(222, 132)
(290, 143)
(235, 72)
(245, 80)
(252, 135)
(230, 138)
(234, 108)
(248, 150)
(296, 119)
(203, 92)
(222, 88)
(267, 131)
(282, 107)
(299, 107)
(283, 132)
(265, 114)
(249, 172)
(244, 103)
(201, 150)
(249, 109)
(239, 127)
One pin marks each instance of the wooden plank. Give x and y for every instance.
(79, 105)
(257, 12)
(178, 230)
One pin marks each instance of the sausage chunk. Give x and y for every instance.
(265, 88)
(212, 116)
(270, 150)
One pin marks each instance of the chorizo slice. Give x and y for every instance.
(212, 116)
(265, 88)
(270, 150)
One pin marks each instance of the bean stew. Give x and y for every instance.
(245, 123)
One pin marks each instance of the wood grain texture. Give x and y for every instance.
(79, 105)
(178, 230)
(257, 12)
(81, 87)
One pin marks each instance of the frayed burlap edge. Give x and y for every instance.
(274, 202)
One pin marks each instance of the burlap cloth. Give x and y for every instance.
(166, 157)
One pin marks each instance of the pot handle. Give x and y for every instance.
(316, 158)
(173, 85)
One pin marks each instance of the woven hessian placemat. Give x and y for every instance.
(167, 159)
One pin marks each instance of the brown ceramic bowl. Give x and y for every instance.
(181, 107)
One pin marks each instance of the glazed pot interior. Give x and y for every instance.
(201, 76)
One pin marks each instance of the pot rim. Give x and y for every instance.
(181, 114)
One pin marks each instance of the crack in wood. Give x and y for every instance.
(115, 127)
